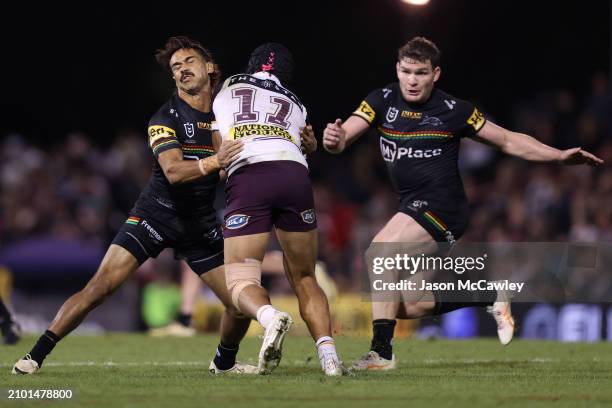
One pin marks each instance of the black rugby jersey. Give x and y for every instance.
(420, 142)
(178, 125)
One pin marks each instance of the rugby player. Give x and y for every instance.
(420, 129)
(269, 186)
(174, 210)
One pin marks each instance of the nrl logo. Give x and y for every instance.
(189, 129)
(391, 114)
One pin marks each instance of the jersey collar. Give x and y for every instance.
(266, 75)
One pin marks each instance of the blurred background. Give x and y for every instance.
(80, 85)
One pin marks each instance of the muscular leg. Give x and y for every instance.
(401, 228)
(116, 267)
(300, 256)
(248, 249)
(234, 324)
(243, 257)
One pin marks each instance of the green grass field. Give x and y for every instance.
(127, 370)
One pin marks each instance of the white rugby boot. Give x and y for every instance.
(272, 347)
(25, 366)
(331, 365)
(372, 361)
(503, 316)
(237, 369)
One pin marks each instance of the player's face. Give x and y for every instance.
(416, 79)
(190, 70)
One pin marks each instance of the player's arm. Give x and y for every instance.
(178, 170)
(529, 148)
(224, 154)
(308, 140)
(337, 136)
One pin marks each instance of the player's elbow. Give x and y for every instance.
(173, 175)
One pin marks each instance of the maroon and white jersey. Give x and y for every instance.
(257, 109)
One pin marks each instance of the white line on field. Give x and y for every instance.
(296, 362)
(489, 360)
(119, 364)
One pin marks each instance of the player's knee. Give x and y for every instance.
(97, 291)
(234, 313)
(239, 276)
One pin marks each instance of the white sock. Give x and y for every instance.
(265, 314)
(326, 348)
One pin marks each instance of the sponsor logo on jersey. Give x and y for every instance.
(386, 92)
(388, 149)
(391, 114)
(477, 119)
(256, 129)
(308, 216)
(366, 112)
(391, 152)
(236, 221)
(160, 136)
(430, 120)
(411, 115)
(189, 130)
(204, 125)
(450, 104)
(157, 131)
(152, 232)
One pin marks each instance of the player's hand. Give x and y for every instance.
(228, 152)
(308, 140)
(334, 137)
(578, 156)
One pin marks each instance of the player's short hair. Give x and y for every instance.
(420, 49)
(273, 58)
(173, 44)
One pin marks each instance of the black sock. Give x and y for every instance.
(184, 319)
(382, 341)
(447, 301)
(225, 357)
(43, 347)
